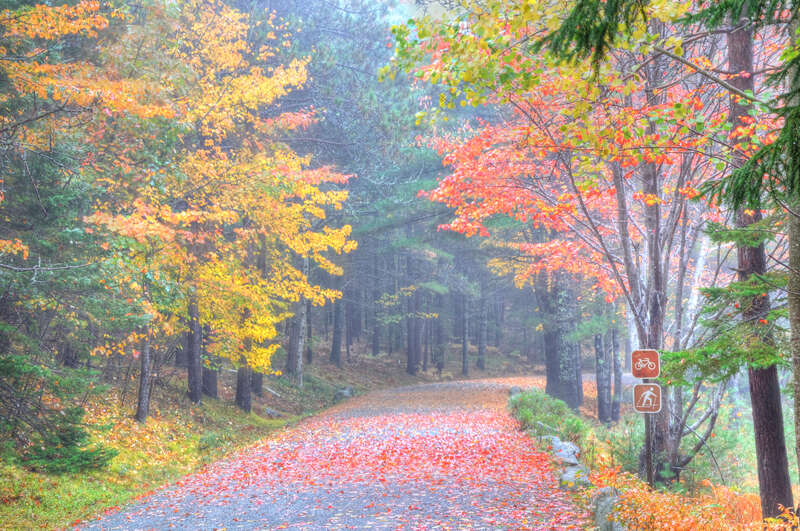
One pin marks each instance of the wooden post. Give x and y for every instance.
(648, 446)
(646, 364)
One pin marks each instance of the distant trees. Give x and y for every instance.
(399, 285)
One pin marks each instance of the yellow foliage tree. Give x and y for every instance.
(232, 214)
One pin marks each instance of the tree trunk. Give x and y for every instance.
(659, 422)
(561, 362)
(794, 318)
(576, 353)
(617, 362)
(336, 342)
(413, 345)
(68, 356)
(243, 387)
(146, 374)
(464, 337)
(651, 331)
(426, 333)
(194, 347)
(349, 321)
(499, 318)
(309, 336)
(483, 317)
(419, 328)
(376, 337)
(526, 348)
(297, 337)
(411, 337)
(772, 462)
(302, 319)
(376, 324)
(773, 466)
(355, 315)
(439, 348)
(629, 340)
(326, 322)
(291, 348)
(210, 377)
(257, 383)
(603, 379)
(793, 286)
(457, 319)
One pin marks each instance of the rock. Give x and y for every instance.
(566, 458)
(514, 391)
(552, 440)
(574, 477)
(546, 427)
(272, 413)
(568, 447)
(344, 392)
(563, 451)
(566, 452)
(603, 503)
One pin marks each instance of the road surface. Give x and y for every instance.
(434, 456)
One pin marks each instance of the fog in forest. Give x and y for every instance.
(383, 264)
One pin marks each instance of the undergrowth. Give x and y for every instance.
(167, 447)
(717, 507)
(716, 491)
(540, 414)
(177, 439)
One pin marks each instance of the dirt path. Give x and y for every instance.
(435, 456)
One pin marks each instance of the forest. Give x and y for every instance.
(373, 264)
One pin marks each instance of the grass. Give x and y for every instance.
(540, 414)
(167, 447)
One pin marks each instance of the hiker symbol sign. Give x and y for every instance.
(647, 398)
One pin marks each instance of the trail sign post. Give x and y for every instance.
(646, 364)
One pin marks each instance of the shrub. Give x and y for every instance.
(65, 447)
(212, 440)
(36, 429)
(541, 414)
(624, 442)
(641, 507)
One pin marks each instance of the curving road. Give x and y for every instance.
(436, 456)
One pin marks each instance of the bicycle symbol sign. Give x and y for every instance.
(645, 364)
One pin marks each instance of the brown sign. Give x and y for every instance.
(647, 398)
(645, 364)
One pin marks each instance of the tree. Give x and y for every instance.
(366, 128)
(236, 192)
(775, 166)
(47, 88)
(607, 165)
(775, 485)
